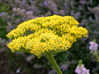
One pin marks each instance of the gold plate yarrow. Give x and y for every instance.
(48, 34)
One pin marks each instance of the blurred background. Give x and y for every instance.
(14, 12)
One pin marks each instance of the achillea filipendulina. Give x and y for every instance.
(48, 34)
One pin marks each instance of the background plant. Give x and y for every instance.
(14, 12)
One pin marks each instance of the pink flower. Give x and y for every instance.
(78, 70)
(82, 70)
(93, 45)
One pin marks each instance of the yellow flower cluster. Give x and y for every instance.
(46, 34)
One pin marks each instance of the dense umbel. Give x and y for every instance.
(46, 34)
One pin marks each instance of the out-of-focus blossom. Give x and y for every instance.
(18, 70)
(29, 58)
(82, 2)
(93, 45)
(37, 66)
(65, 66)
(1, 14)
(23, 10)
(45, 3)
(0, 1)
(29, 12)
(65, 5)
(82, 70)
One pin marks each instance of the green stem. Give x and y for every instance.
(53, 63)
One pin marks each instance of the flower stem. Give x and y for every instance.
(53, 63)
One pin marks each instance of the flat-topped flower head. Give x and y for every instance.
(46, 34)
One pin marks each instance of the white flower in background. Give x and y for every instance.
(18, 70)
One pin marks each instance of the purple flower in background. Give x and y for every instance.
(62, 69)
(88, 35)
(1, 1)
(86, 47)
(54, 12)
(13, 14)
(93, 61)
(16, 14)
(44, 2)
(42, 15)
(82, 2)
(90, 19)
(24, 1)
(54, 72)
(78, 14)
(0, 14)
(32, 7)
(6, 44)
(32, 17)
(97, 12)
(53, 4)
(93, 45)
(81, 24)
(65, 5)
(38, 10)
(22, 18)
(23, 10)
(83, 42)
(94, 31)
(3, 12)
(3, 39)
(82, 70)
(72, 12)
(29, 12)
